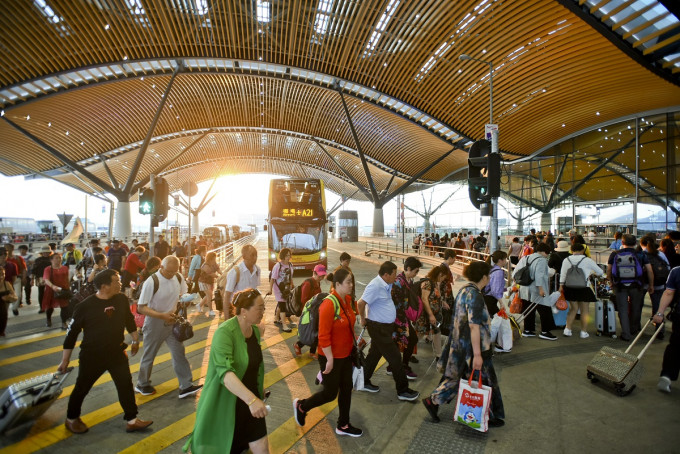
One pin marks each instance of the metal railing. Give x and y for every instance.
(226, 253)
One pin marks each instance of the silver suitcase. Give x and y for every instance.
(29, 399)
(620, 369)
(605, 318)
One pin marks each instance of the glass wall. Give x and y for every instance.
(624, 176)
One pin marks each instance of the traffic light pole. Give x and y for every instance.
(152, 241)
(493, 225)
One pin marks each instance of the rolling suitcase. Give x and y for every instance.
(605, 318)
(622, 370)
(29, 399)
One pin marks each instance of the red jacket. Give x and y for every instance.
(133, 265)
(338, 333)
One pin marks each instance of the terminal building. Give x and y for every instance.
(376, 98)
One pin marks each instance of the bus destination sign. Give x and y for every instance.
(298, 212)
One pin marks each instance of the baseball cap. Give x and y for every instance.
(320, 270)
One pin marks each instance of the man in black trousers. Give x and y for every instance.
(380, 323)
(103, 318)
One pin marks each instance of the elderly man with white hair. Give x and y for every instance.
(158, 301)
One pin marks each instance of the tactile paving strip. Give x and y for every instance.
(446, 436)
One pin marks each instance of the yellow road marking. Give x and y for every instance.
(288, 433)
(183, 427)
(74, 363)
(36, 354)
(59, 433)
(33, 338)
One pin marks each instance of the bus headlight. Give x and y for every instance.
(322, 255)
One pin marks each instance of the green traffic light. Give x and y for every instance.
(146, 208)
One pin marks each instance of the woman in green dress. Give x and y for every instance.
(230, 414)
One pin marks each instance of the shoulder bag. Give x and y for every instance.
(182, 329)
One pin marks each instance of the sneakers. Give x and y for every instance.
(664, 384)
(314, 356)
(432, 409)
(15, 312)
(567, 332)
(370, 387)
(408, 395)
(584, 335)
(137, 424)
(410, 375)
(547, 335)
(298, 349)
(286, 329)
(526, 333)
(186, 392)
(413, 360)
(145, 390)
(388, 370)
(300, 415)
(77, 426)
(499, 349)
(349, 430)
(211, 314)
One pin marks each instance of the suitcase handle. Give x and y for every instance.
(51, 380)
(656, 333)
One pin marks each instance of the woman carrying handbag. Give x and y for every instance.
(470, 346)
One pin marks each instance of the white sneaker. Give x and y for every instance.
(567, 332)
(584, 335)
(664, 384)
(211, 313)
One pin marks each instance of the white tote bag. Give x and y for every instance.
(504, 339)
(473, 404)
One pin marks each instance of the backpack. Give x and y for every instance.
(156, 284)
(660, 268)
(294, 303)
(575, 277)
(308, 325)
(415, 303)
(523, 275)
(626, 268)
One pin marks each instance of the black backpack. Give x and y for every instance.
(523, 275)
(660, 268)
(294, 302)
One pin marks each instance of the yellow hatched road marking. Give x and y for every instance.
(280, 440)
(33, 338)
(59, 433)
(74, 363)
(35, 354)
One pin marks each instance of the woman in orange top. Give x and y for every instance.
(336, 339)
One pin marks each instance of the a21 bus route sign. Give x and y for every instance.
(298, 212)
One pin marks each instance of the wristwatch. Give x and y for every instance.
(659, 314)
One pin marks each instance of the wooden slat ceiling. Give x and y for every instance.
(97, 70)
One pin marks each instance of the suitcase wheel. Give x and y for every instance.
(621, 392)
(590, 375)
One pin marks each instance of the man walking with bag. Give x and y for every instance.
(158, 301)
(380, 323)
(103, 318)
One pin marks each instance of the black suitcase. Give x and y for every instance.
(29, 399)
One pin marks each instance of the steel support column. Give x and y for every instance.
(149, 134)
(369, 178)
(347, 174)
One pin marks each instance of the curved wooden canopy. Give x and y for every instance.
(262, 86)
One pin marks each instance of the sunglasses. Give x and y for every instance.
(246, 295)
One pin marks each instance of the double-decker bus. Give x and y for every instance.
(297, 221)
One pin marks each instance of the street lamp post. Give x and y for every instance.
(493, 227)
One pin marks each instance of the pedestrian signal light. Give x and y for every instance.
(146, 201)
(484, 173)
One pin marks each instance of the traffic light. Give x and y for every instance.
(484, 173)
(161, 192)
(146, 204)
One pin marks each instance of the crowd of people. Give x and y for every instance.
(397, 308)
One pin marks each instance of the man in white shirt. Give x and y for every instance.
(158, 302)
(245, 275)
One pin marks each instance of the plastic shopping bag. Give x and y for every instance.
(562, 303)
(504, 339)
(358, 378)
(516, 305)
(473, 404)
(495, 326)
